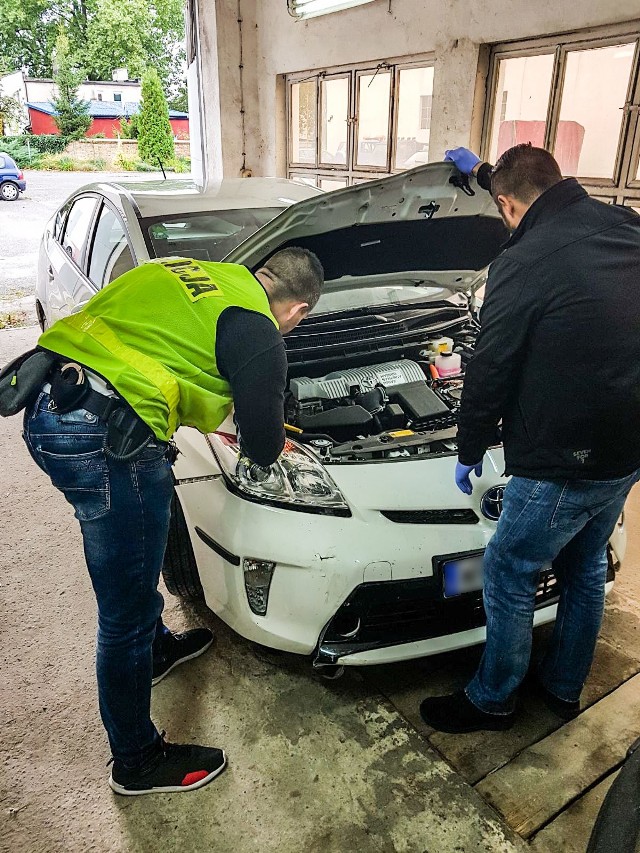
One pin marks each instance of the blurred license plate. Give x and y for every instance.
(462, 575)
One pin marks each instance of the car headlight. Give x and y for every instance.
(297, 480)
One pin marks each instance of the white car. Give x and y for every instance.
(105, 229)
(358, 548)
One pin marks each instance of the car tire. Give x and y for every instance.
(42, 320)
(180, 570)
(9, 191)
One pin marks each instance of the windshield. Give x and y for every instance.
(205, 236)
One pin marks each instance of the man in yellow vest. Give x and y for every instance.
(174, 342)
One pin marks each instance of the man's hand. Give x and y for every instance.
(464, 159)
(462, 476)
(254, 472)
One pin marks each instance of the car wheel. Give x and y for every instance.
(9, 191)
(179, 570)
(42, 320)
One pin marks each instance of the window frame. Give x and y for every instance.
(91, 242)
(353, 172)
(625, 181)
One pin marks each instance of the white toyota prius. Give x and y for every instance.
(357, 547)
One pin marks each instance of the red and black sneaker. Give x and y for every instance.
(174, 767)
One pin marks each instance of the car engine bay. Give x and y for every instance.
(384, 409)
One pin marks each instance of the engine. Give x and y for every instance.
(367, 401)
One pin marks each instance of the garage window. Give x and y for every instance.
(578, 97)
(110, 252)
(353, 124)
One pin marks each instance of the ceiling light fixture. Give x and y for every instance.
(312, 8)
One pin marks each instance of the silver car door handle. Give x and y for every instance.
(50, 272)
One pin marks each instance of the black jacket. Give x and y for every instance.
(558, 356)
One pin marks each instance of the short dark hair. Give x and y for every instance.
(524, 172)
(296, 274)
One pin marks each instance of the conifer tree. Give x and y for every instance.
(155, 136)
(72, 118)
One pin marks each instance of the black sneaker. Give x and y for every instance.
(457, 713)
(561, 707)
(178, 648)
(172, 768)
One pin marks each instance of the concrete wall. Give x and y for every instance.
(273, 44)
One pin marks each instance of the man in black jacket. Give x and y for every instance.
(558, 363)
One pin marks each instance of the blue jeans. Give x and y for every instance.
(124, 511)
(567, 523)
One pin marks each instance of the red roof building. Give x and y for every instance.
(106, 118)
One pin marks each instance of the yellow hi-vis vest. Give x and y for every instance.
(151, 334)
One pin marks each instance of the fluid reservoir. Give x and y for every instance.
(448, 364)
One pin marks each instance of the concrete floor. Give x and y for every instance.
(328, 767)
(314, 765)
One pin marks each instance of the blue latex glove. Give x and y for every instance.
(464, 159)
(462, 476)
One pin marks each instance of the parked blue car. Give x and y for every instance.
(12, 181)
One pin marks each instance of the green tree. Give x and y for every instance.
(72, 118)
(129, 127)
(11, 112)
(103, 35)
(155, 137)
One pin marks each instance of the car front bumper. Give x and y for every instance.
(358, 590)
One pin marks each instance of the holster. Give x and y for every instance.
(127, 434)
(22, 379)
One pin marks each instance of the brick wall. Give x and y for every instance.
(108, 149)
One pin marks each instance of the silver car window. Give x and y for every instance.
(3, 162)
(110, 252)
(77, 227)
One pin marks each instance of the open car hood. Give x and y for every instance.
(427, 219)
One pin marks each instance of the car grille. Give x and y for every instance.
(431, 516)
(389, 613)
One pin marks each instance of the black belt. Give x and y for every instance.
(101, 405)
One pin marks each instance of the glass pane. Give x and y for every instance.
(78, 221)
(594, 92)
(206, 236)
(333, 121)
(373, 118)
(414, 117)
(332, 183)
(110, 254)
(302, 122)
(306, 179)
(522, 98)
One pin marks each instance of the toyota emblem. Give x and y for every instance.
(491, 503)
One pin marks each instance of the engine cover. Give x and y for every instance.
(337, 385)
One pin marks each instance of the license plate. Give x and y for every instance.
(465, 574)
(462, 575)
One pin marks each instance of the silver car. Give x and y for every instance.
(105, 229)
